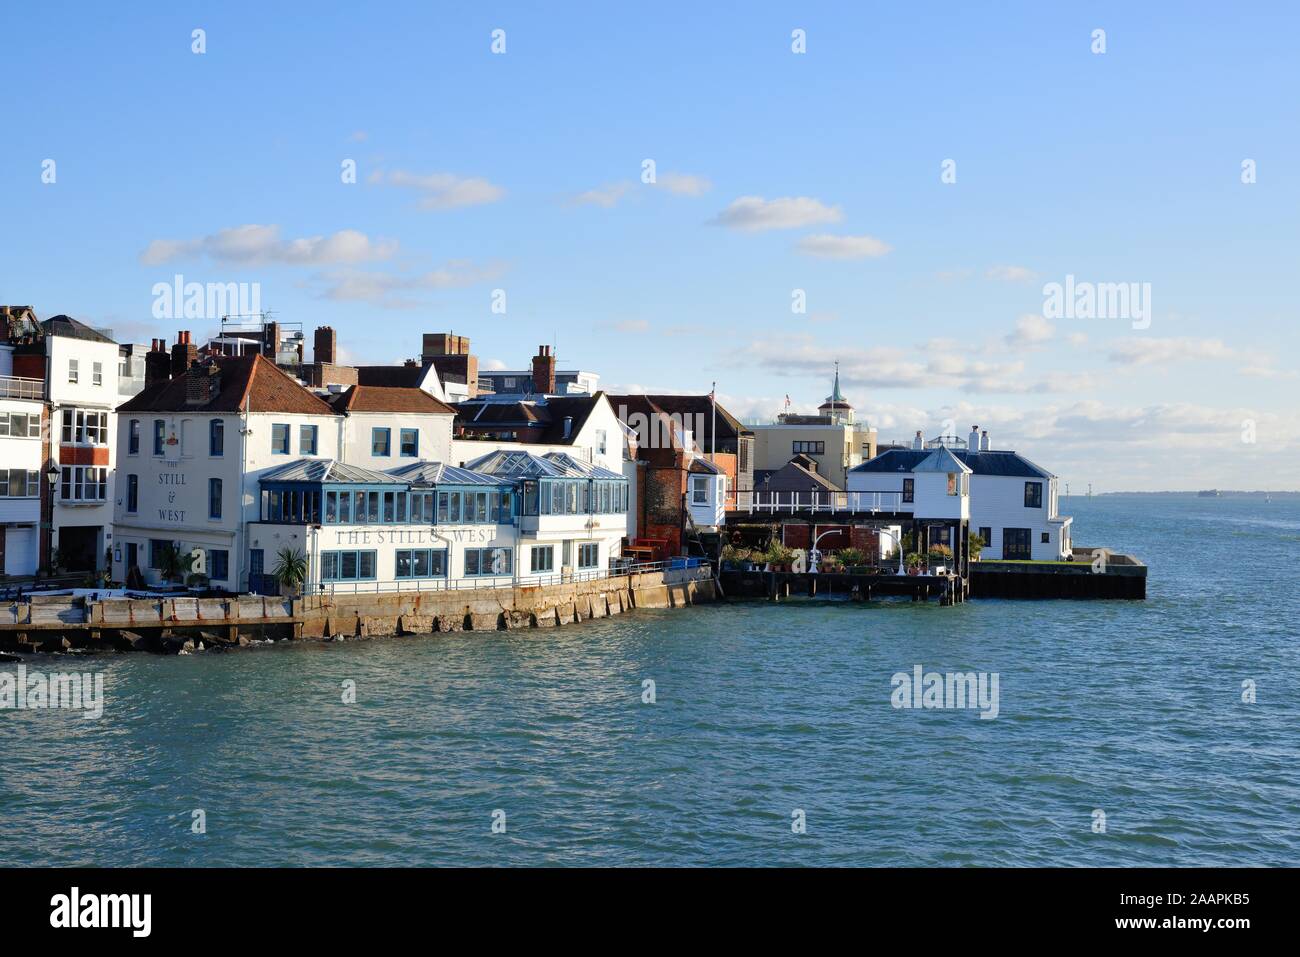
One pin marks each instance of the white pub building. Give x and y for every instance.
(235, 462)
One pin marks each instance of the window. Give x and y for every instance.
(601, 446)
(159, 434)
(381, 442)
(986, 535)
(214, 498)
(133, 437)
(19, 483)
(347, 566)
(1015, 544)
(217, 437)
(1047, 538)
(410, 444)
(84, 428)
(588, 555)
(156, 547)
(952, 483)
(279, 439)
(699, 489)
(20, 425)
(73, 373)
(83, 484)
(909, 489)
(1033, 495)
(97, 373)
(133, 493)
(421, 563)
(808, 448)
(307, 439)
(218, 564)
(542, 558)
(488, 561)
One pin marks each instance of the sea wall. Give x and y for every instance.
(52, 623)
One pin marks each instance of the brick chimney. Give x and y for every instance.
(543, 371)
(271, 340)
(157, 364)
(184, 354)
(202, 384)
(325, 349)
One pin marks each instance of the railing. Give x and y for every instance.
(14, 387)
(499, 581)
(789, 502)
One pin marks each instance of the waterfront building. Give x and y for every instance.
(572, 514)
(81, 372)
(833, 438)
(22, 410)
(669, 436)
(193, 447)
(422, 525)
(1013, 502)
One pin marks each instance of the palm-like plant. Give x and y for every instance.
(290, 569)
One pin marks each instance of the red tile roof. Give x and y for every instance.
(373, 398)
(244, 384)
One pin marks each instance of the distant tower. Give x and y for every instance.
(836, 407)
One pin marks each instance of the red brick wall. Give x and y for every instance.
(83, 455)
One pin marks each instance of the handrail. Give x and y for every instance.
(789, 502)
(20, 387)
(495, 581)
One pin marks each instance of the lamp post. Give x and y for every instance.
(51, 476)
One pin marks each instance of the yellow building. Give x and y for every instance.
(831, 438)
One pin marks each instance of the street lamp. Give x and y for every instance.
(52, 473)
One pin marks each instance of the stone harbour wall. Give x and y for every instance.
(54, 623)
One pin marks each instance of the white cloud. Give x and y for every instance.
(754, 214)
(1143, 350)
(1010, 274)
(359, 136)
(606, 197)
(1031, 330)
(255, 245)
(827, 246)
(683, 184)
(390, 289)
(493, 365)
(442, 190)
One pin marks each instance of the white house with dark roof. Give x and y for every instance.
(1013, 502)
(572, 514)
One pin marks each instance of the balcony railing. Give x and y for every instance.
(791, 502)
(504, 581)
(14, 387)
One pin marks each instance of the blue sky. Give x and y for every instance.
(776, 171)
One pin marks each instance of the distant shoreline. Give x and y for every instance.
(1223, 493)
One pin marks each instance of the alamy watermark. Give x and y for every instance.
(23, 690)
(664, 430)
(205, 300)
(953, 690)
(1098, 300)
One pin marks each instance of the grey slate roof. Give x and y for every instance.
(980, 463)
(440, 473)
(69, 328)
(327, 470)
(526, 464)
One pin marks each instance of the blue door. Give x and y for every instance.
(257, 581)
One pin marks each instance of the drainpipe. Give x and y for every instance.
(241, 530)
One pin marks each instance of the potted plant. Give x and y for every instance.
(913, 560)
(938, 555)
(172, 564)
(976, 545)
(853, 559)
(290, 571)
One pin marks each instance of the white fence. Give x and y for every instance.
(789, 502)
